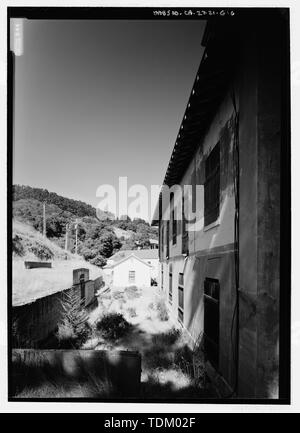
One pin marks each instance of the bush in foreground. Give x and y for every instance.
(113, 326)
(162, 311)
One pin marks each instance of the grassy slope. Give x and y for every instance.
(30, 284)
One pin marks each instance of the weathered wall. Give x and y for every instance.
(260, 137)
(38, 319)
(257, 87)
(210, 248)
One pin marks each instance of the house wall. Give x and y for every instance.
(261, 93)
(252, 367)
(211, 250)
(154, 264)
(120, 277)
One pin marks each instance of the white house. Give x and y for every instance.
(132, 267)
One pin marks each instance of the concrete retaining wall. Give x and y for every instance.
(36, 321)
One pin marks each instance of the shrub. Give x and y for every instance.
(162, 310)
(17, 246)
(167, 338)
(118, 294)
(191, 362)
(66, 336)
(132, 312)
(132, 292)
(74, 329)
(41, 251)
(113, 326)
(158, 357)
(99, 260)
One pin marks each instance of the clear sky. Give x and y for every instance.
(96, 100)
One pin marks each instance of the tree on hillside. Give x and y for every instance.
(76, 207)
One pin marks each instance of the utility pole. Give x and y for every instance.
(44, 219)
(66, 238)
(76, 236)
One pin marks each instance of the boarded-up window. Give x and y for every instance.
(180, 298)
(185, 238)
(211, 319)
(161, 242)
(82, 286)
(173, 219)
(194, 189)
(168, 239)
(170, 284)
(212, 186)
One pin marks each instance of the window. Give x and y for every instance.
(185, 238)
(82, 286)
(131, 277)
(194, 190)
(162, 241)
(211, 319)
(174, 220)
(170, 284)
(168, 239)
(212, 186)
(180, 298)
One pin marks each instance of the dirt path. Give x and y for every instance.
(166, 359)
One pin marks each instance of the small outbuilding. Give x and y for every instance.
(129, 270)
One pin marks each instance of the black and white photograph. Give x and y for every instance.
(149, 204)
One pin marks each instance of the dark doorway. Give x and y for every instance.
(211, 320)
(82, 286)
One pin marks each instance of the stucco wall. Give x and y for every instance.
(257, 86)
(210, 248)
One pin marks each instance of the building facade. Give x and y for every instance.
(220, 261)
(132, 267)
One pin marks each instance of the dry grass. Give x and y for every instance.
(33, 380)
(167, 363)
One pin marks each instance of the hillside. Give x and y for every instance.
(75, 207)
(30, 284)
(97, 239)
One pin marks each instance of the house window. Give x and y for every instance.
(174, 220)
(162, 241)
(185, 239)
(212, 186)
(180, 298)
(211, 319)
(170, 284)
(82, 286)
(168, 239)
(131, 277)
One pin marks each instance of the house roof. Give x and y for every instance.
(126, 257)
(141, 254)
